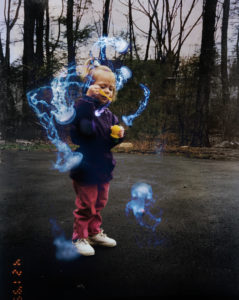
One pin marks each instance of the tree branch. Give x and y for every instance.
(1, 51)
(16, 15)
(59, 29)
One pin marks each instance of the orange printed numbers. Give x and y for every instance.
(17, 262)
(18, 291)
(18, 273)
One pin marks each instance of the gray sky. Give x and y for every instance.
(118, 24)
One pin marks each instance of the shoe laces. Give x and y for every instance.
(83, 241)
(102, 233)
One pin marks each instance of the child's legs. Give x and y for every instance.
(102, 199)
(86, 197)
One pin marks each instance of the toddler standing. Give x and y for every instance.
(93, 132)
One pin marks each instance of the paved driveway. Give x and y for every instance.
(194, 252)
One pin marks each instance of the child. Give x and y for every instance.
(91, 178)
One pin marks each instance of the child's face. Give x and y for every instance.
(106, 81)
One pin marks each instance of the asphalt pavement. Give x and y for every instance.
(194, 251)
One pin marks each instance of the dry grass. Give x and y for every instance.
(143, 147)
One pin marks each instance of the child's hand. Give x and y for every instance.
(121, 132)
(93, 91)
(117, 131)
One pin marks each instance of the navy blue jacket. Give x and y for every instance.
(92, 133)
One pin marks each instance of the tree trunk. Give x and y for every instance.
(9, 22)
(28, 50)
(200, 135)
(106, 18)
(237, 58)
(224, 73)
(8, 109)
(1, 51)
(50, 54)
(130, 31)
(105, 28)
(47, 42)
(7, 47)
(69, 33)
(132, 35)
(40, 33)
(149, 38)
(33, 20)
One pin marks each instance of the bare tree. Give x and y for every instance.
(131, 32)
(1, 52)
(69, 32)
(224, 67)
(200, 135)
(74, 34)
(237, 63)
(224, 38)
(168, 37)
(132, 39)
(47, 36)
(9, 22)
(7, 104)
(183, 33)
(39, 55)
(234, 23)
(106, 17)
(151, 18)
(105, 27)
(52, 42)
(33, 57)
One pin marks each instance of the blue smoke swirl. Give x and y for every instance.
(140, 205)
(60, 108)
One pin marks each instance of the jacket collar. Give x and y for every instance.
(96, 102)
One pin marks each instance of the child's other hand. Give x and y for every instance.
(93, 91)
(117, 131)
(121, 132)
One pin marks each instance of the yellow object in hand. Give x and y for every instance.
(103, 94)
(115, 131)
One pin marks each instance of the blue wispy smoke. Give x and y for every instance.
(122, 75)
(65, 250)
(140, 205)
(128, 120)
(119, 44)
(62, 102)
(58, 109)
(54, 104)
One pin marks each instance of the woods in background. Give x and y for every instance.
(192, 99)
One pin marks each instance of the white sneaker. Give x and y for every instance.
(101, 239)
(83, 247)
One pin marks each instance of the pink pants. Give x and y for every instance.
(90, 200)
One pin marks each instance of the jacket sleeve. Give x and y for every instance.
(83, 124)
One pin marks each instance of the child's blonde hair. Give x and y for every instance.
(91, 67)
